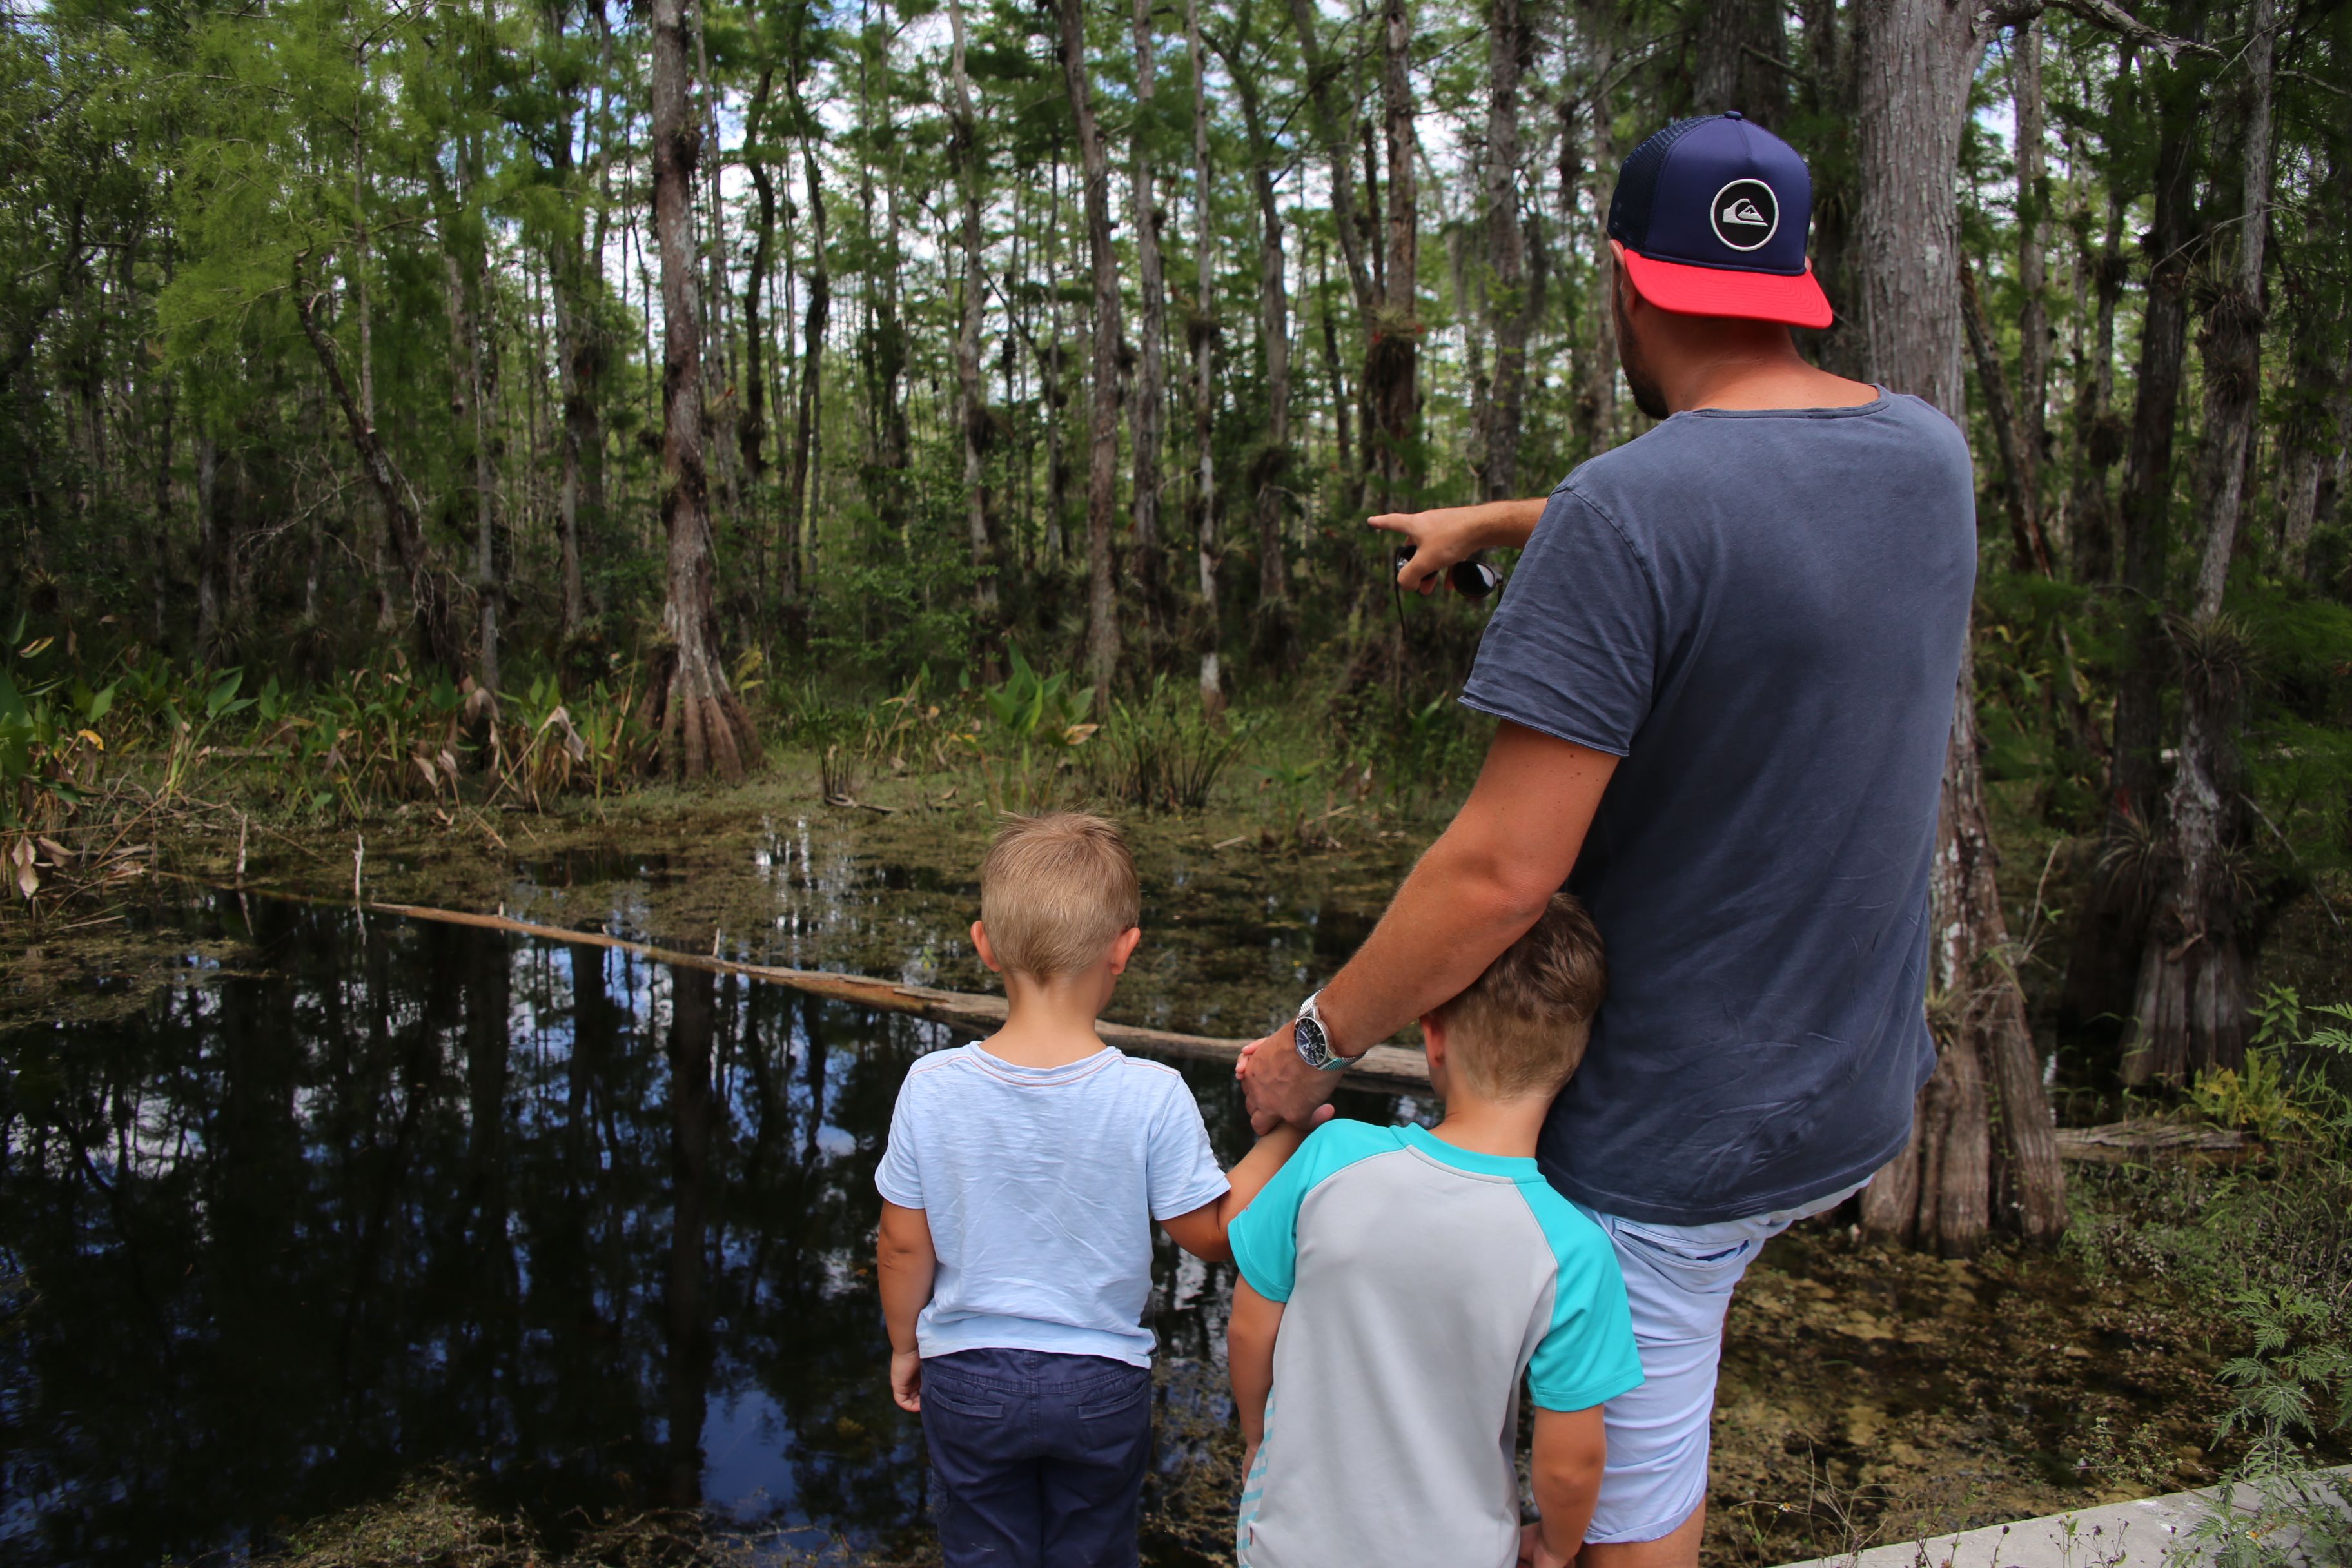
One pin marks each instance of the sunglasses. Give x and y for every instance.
(1471, 579)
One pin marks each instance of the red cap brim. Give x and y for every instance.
(1719, 291)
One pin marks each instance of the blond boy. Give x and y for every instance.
(1398, 1282)
(1020, 1185)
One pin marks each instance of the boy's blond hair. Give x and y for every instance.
(1520, 1027)
(1055, 891)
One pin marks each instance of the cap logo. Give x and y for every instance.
(1745, 214)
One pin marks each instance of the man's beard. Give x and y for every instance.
(1647, 397)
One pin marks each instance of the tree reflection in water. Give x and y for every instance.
(397, 1194)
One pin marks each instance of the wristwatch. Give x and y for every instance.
(1314, 1041)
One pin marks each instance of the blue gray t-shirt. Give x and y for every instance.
(1763, 614)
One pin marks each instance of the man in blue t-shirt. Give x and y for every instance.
(1725, 669)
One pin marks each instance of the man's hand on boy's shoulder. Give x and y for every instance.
(907, 1379)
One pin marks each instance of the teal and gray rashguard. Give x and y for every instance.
(1422, 1281)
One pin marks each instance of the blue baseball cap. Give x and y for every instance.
(1711, 214)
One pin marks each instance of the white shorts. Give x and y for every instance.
(1678, 1280)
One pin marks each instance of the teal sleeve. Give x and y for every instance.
(1588, 1356)
(1264, 1236)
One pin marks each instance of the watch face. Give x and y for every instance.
(1312, 1047)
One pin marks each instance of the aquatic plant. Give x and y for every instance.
(1164, 753)
(1035, 722)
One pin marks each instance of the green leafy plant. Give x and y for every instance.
(1034, 722)
(1165, 752)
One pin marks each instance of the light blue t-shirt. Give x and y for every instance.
(1421, 1282)
(1041, 1185)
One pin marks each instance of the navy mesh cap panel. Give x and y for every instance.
(1715, 190)
(1637, 185)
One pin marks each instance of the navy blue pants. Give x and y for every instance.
(1037, 1460)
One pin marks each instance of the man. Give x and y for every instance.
(1724, 667)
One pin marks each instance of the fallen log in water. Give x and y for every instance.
(1387, 1068)
(2118, 1141)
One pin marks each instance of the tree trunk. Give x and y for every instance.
(971, 408)
(1595, 413)
(1203, 337)
(2033, 251)
(751, 431)
(1742, 49)
(1103, 395)
(1918, 59)
(2101, 969)
(1151, 372)
(2031, 550)
(797, 525)
(159, 566)
(579, 367)
(1337, 133)
(467, 266)
(2099, 437)
(1511, 47)
(1269, 463)
(2195, 970)
(429, 607)
(704, 729)
(2318, 424)
(1392, 361)
(212, 549)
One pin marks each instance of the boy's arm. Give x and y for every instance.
(1570, 1449)
(1250, 1332)
(904, 1262)
(1201, 1232)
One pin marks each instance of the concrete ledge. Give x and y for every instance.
(2150, 1533)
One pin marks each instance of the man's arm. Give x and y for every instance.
(1445, 534)
(1201, 1232)
(1477, 892)
(1571, 1450)
(904, 1262)
(1250, 1331)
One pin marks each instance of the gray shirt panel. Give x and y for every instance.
(1422, 1292)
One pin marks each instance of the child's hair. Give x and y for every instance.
(1055, 891)
(1520, 1027)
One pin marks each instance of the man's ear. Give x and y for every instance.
(1122, 948)
(980, 943)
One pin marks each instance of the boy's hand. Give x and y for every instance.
(1533, 1553)
(907, 1379)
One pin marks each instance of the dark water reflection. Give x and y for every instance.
(394, 1193)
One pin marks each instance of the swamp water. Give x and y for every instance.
(319, 1201)
(359, 1196)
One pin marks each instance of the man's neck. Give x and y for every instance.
(1757, 374)
(1764, 379)
(1505, 1127)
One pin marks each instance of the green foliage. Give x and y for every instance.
(1165, 751)
(51, 751)
(1035, 723)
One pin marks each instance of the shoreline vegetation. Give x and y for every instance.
(2174, 1262)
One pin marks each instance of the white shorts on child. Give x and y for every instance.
(1678, 1280)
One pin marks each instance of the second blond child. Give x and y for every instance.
(1020, 1186)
